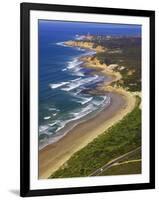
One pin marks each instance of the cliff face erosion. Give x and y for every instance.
(88, 45)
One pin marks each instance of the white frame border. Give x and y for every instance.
(86, 181)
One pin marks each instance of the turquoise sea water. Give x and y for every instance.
(62, 79)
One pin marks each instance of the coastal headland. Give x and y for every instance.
(55, 155)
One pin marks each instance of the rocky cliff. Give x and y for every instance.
(87, 45)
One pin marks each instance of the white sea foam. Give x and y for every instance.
(84, 111)
(64, 45)
(88, 104)
(77, 79)
(61, 125)
(79, 37)
(48, 117)
(84, 100)
(91, 53)
(76, 115)
(70, 84)
(52, 124)
(99, 102)
(75, 62)
(74, 67)
(106, 101)
(61, 44)
(57, 85)
(71, 87)
(53, 109)
(77, 73)
(75, 93)
(80, 49)
(75, 84)
(43, 128)
(49, 133)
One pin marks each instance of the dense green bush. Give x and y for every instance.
(124, 51)
(117, 140)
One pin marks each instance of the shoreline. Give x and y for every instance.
(54, 155)
(70, 125)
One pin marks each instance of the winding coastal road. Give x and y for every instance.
(112, 162)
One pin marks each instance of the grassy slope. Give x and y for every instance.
(117, 140)
(135, 156)
(124, 169)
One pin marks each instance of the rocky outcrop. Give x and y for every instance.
(87, 45)
(93, 61)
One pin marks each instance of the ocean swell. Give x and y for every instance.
(57, 123)
(58, 128)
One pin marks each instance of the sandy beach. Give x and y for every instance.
(55, 155)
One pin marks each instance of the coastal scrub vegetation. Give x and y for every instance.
(126, 53)
(124, 169)
(131, 164)
(117, 140)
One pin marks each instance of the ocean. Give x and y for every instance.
(62, 79)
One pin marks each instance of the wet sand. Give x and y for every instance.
(54, 155)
